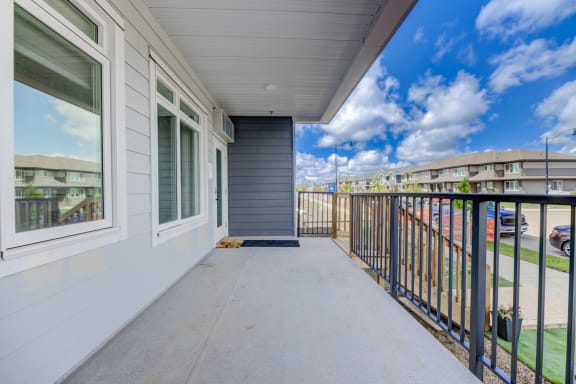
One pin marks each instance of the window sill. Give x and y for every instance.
(165, 234)
(19, 259)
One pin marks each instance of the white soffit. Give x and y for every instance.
(299, 58)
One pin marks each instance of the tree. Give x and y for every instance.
(32, 193)
(377, 186)
(346, 188)
(463, 187)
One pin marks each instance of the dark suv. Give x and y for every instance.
(560, 238)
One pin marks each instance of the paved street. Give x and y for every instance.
(530, 239)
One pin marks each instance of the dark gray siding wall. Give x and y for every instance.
(261, 177)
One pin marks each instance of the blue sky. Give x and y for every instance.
(458, 77)
(56, 128)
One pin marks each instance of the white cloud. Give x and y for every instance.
(506, 18)
(367, 162)
(467, 55)
(79, 122)
(369, 110)
(419, 36)
(530, 62)
(310, 168)
(559, 109)
(443, 116)
(444, 45)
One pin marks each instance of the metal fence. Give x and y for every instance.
(315, 214)
(433, 250)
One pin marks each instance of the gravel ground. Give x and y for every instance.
(525, 374)
(504, 361)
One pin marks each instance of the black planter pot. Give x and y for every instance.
(505, 329)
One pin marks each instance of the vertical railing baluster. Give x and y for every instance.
(429, 260)
(541, 294)
(478, 287)
(405, 233)
(516, 294)
(413, 248)
(570, 336)
(421, 250)
(464, 272)
(450, 264)
(439, 264)
(394, 255)
(495, 284)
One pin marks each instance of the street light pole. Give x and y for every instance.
(336, 159)
(547, 187)
(547, 169)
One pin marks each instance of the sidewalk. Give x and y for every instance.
(556, 298)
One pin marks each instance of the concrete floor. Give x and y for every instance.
(274, 315)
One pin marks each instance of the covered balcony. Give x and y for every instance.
(274, 315)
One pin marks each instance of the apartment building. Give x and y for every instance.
(514, 171)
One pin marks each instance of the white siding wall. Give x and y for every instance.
(54, 316)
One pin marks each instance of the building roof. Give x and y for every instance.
(56, 163)
(491, 157)
(299, 58)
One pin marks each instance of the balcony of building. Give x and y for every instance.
(274, 315)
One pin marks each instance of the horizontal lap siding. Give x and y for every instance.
(261, 177)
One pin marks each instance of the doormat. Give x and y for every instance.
(270, 243)
(230, 243)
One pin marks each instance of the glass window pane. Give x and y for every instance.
(164, 91)
(219, 201)
(57, 128)
(76, 17)
(166, 166)
(189, 112)
(189, 166)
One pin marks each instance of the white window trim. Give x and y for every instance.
(516, 184)
(557, 182)
(166, 231)
(25, 252)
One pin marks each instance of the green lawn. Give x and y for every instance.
(554, 351)
(509, 205)
(553, 262)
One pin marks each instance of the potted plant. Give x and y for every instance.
(505, 318)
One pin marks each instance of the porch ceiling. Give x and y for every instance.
(297, 58)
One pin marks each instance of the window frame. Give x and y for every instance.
(50, 244)
(556, 183)
(516, 184)
(161, 72)
(512, 168)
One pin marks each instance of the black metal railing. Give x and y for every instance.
(442, 252)
(315, 210)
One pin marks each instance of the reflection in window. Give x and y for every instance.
(167, 186)
(76, 17)
(57, 127)
(189, 165)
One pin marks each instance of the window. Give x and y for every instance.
(61, 119)
(512, 168)
(511, 186)
(178, 158)
(488, 167)
(557, 185)
(56, 78)
(461, 171)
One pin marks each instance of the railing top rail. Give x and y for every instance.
(503, 197)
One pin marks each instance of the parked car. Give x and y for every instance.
(560, 238)
(507, 218)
